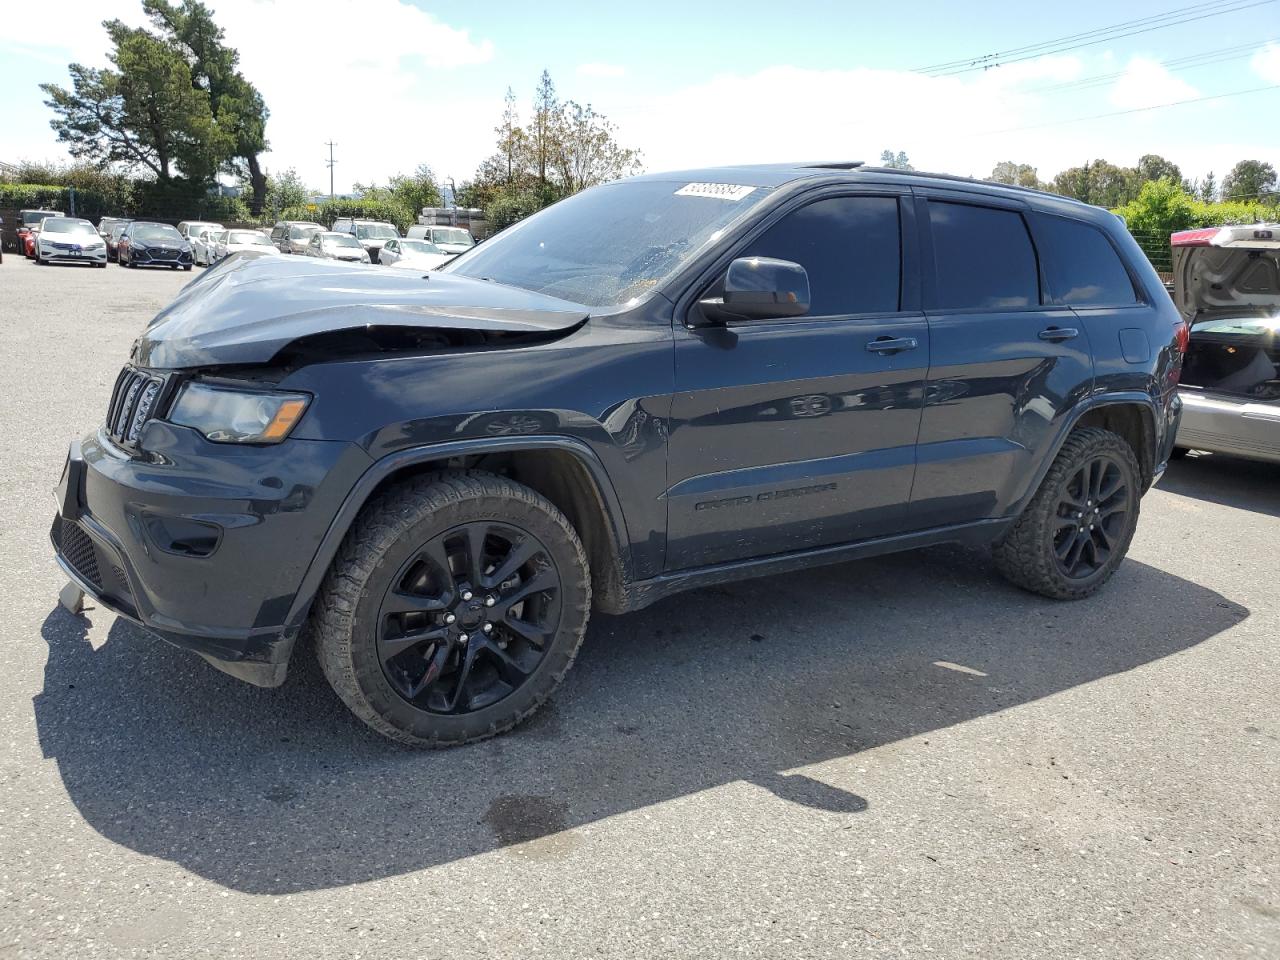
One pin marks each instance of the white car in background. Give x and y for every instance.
(70, 240)
(452, 240)
(413, 254)
(202, 240)
(237, 241)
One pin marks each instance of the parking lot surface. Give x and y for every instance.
(894, 757)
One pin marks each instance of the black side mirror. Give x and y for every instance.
(760, 288)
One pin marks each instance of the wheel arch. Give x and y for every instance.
(1131, 415)
(565, 471)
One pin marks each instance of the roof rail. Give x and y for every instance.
(836, 165)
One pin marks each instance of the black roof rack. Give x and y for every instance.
(836, 165)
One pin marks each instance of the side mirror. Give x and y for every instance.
(760, 288)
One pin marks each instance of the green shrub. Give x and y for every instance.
(330, 210)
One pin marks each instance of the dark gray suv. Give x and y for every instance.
(662, 383)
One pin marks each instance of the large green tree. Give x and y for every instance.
(1015, 174)
(1249, 180)
(142, 112)
(235, 103)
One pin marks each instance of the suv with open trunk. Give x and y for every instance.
(657, 384)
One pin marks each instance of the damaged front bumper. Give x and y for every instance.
(206, 550)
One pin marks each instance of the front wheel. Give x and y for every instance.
(453, 609)
(1075, 532)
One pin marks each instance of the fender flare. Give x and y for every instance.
(393, 462)
(1072, 419)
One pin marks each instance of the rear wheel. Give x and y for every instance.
(453, 608)
(1077, 528)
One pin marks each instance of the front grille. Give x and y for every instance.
(160, 253)
(77, 549)
(133, 403)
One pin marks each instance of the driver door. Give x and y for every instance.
(797, 433)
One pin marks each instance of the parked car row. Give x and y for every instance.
(133, 243)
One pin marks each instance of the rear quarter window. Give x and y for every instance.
(983, 258)
(1081, 266)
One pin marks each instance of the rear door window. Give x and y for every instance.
(983, 258)
(851, 248)
(1081, 266)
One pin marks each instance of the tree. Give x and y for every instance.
(1250, 179)
(145, 113)
(1208, 191)
(512, 143)
(1152, 166)
(1017, 174)
(896, 161)
(1100, 183)
(542, 128)
(237, 107)
(285, 190)
(1160, 209)
(416, 190)
(585, 151)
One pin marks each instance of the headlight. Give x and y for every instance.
(227, 415)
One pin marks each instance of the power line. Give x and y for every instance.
(1191, 61)
(1091, 38)
(1121, 113)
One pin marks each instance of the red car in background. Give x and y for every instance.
(27, 220)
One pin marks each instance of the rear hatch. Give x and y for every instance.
(1227, 287)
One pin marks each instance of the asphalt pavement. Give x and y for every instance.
(901, 757)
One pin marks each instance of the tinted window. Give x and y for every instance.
(983, 258)
(851, 248)
(1081, 266)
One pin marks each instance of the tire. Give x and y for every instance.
(381, 562)
(187, 267)
(1179, 453)
(1029, 555)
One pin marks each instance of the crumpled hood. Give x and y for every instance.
(246, 309)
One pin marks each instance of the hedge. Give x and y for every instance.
(330, 210)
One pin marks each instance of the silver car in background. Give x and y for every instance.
(292, 236)
(1226, 284)
(451, 240)
(328, 245)
(413, 255)
(202, 242)
(238, 241)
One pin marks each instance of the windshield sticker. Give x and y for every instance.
(718, 191)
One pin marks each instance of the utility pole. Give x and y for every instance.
(330, 162)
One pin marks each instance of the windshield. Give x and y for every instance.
(376, 231)
(156, 231)
(67, 225)
(341, 240)
(452, 235)
(610, 244)
(419, 246)
(302, 233)
(248, 236)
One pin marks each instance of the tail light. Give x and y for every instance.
(1182, 337)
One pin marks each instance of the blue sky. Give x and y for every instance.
(397, 83)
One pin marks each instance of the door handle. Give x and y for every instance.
(892, 344)
(1058, 334)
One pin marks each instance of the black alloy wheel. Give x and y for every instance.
(1092, 517)
(468, 617)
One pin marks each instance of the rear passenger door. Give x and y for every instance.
(1005, 364)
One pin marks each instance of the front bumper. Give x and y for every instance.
(203, 544)
(54, 255)
(149, 258)
(1235, 426)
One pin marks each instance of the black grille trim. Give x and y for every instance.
(135, 400)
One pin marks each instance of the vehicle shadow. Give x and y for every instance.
(1230, 481)
(275, 791)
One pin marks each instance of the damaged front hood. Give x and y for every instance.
(250, 307)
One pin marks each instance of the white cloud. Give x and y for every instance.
(1266, 63)
(1146, 83)
(606, 71)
